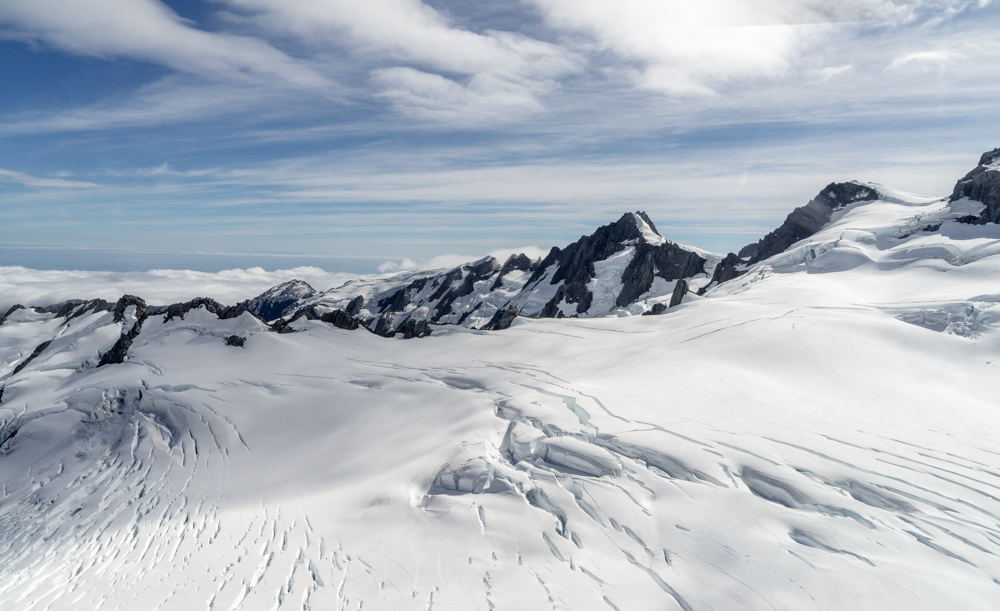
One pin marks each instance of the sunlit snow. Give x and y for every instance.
(820, 433)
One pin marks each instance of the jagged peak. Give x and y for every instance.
(276, 301)
(991, 159)
(982, 184)
(647, 229)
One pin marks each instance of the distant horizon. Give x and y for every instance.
(405, 129)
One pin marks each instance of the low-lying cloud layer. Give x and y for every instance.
(32, 287)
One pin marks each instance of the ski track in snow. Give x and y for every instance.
(791, 442)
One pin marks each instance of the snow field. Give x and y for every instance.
(809, 436)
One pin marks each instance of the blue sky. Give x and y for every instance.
(142, 134)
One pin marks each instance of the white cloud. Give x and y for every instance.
(436, 70)
(682, 48)
(484, 100)
(148, 30)
(924, 60)
(829, 72)
(33, 181)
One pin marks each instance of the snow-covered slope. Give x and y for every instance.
(818, 433)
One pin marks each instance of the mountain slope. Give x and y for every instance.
(818, 433)
(623, 268)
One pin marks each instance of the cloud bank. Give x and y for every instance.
(32, 287)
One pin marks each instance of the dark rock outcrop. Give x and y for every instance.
(61, 310)
(236, 340)
(341, 320)
(658, 308)
(383, 325)
(412, 328)
(807, 220)
(725, 271)
(680, 289)
(355, 305)
(94, 305)
(519, 262)
(120, 349)
(13, 308)
(38, 350)
(803, 222)
(576, 263)
(337, 318)
(982, 185)
(178, 310)
(395, 302)
(502, 319)
(280, 300)
(668, 261)
(476, 272)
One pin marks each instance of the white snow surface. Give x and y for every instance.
(821, 433)
(648, 234)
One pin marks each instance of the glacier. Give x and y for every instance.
(819, 430)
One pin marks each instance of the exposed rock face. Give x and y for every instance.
(355, 306)
(337, 318)
(478, 294)
(94, 305)
(470, 275)
(803, 222)
(726, 270)
(502, 319)
(519, 262)
(807, 220)
(668, 261)
(383, 326)
(13, 308)
(341, 320)
(280, 300)
(395, 302)
(38, 350)
(680, 289)
(120, 349)
(236, 340)
(63, 309)
(658, 308)
(178, 310)
(576, 263)
(412, 328)
(982, 185)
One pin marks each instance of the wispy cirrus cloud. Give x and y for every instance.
(436, 69)
(148, 30)
(46, 183)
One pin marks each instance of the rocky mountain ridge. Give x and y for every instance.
(624, 268)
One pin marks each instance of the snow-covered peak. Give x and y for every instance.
(990, 160)
(649, 234)
(901, 197)
(277, 301)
